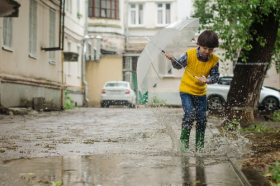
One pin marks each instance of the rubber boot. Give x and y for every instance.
(185, 137)
(199, 141)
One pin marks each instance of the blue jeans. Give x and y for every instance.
(195, 109)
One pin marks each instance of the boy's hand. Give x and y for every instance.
(169, 56)
(203, 80)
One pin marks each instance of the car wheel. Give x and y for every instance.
(270, 104)
(102, 105)
(105, 104)
(215, 103)
(131, 106)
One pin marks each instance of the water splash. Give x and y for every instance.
(227, 143)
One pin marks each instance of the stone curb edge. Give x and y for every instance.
(237, 170)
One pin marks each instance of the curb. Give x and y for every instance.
(215, 132)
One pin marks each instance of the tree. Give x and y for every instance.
(249, 28)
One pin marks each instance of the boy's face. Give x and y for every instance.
(204, 51)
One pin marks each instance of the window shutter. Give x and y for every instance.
(33, 28)
(128, 63)
(8, 33)
(52, 35)
(128, 77)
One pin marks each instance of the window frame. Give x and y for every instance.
(92, 9)
(52, 35)
(136, 9)
(33, 24)
(78, 6)
(7, 34)
(70, 4)
(164, 23)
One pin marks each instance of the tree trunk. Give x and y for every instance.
(248, 78)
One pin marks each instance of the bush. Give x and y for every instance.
(275, 170)
(157, 102)
(69, 103)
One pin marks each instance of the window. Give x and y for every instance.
(116, 84)
(128, 63)
(128, 77)
(52, 36)
(70, 3)
(78, 6)
(163, 13)
(33, 28)
(7, 33)
(66, 4)
(136, 14)
(104, 8)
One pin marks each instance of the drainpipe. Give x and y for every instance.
(85, 51)
(62, 81)
(126, 31)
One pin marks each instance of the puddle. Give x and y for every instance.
(113, 147)
(120, 170)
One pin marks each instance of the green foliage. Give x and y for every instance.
(259, 128)
(58, 183)
(157, 102)
(69, 103)
(79, 15)
(276, 116)
(232, 20)
(232, 125)
(275, 170)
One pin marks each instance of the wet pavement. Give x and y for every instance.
(111, 146)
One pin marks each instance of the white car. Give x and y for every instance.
(217, 95)
(117, 93)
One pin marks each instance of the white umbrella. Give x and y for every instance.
(152, 65)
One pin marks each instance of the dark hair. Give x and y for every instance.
(208, 38)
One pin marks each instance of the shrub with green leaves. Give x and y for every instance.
(276, 116)
(275, 170)
(232, 125)
(157, 102)
(69, 103)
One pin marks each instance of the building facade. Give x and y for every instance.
(108, 36)
(32, 71)
(28, 73)
(74, 31)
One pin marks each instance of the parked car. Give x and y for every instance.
(217, 95)
(117, 93)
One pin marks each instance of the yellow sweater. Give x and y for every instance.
(190, 84)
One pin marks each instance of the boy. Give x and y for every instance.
(201, 62)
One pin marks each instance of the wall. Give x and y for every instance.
(24, 77)
(74, 32)
(97, 74)
(272, 79)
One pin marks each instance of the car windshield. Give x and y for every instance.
(116, 85)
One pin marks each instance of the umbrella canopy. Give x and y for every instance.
(152, 65)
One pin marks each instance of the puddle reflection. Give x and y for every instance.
(120, 170)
